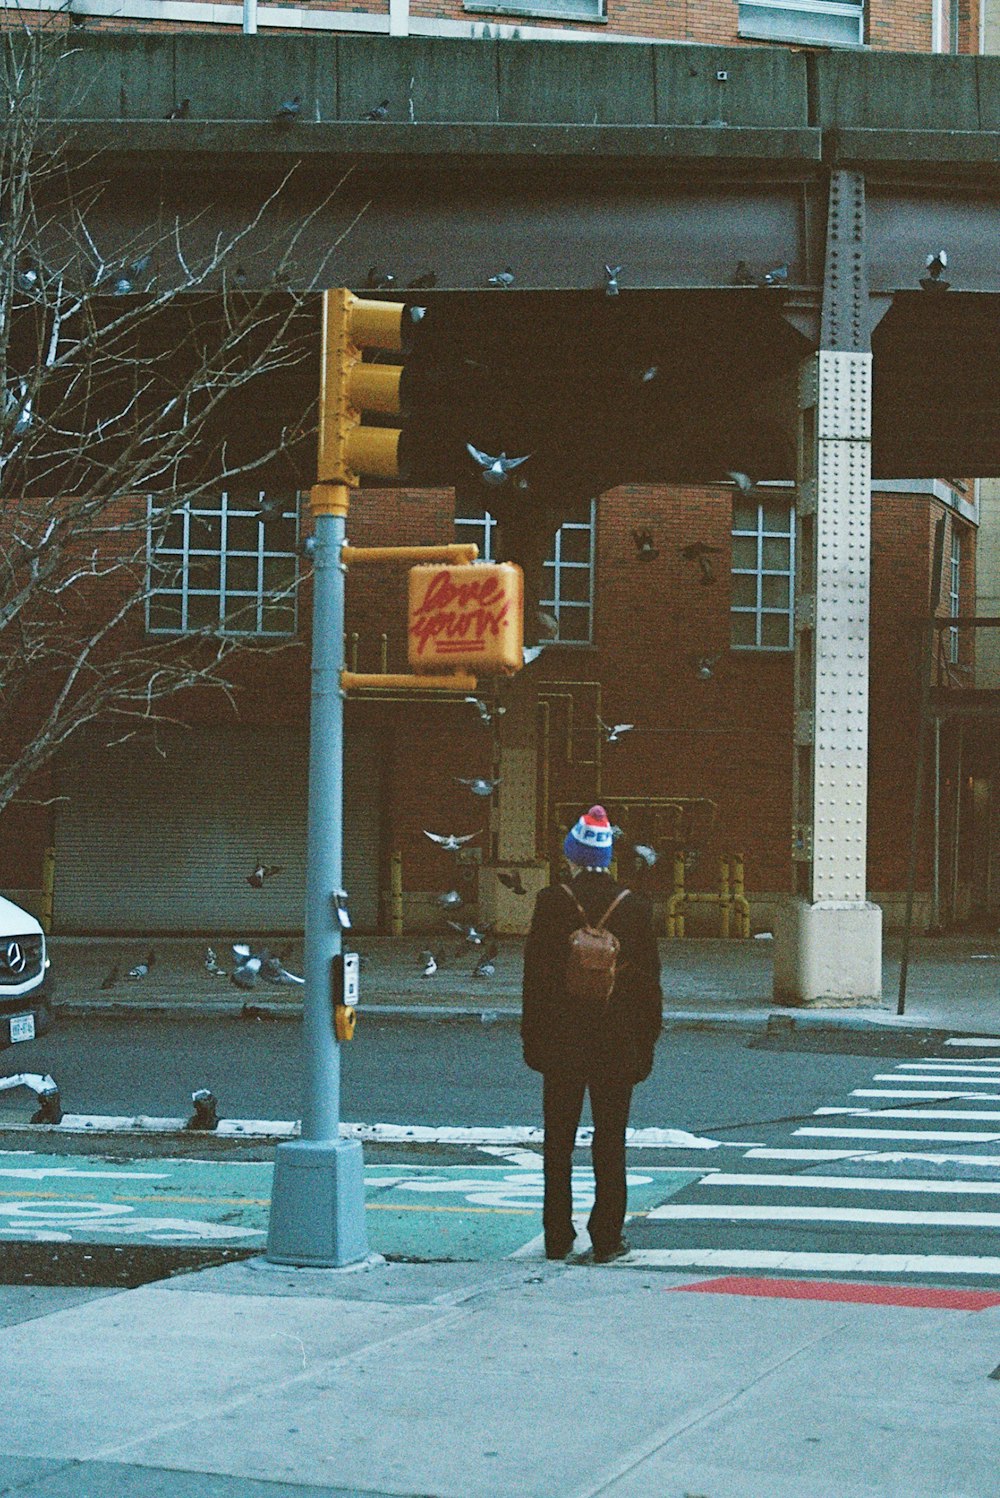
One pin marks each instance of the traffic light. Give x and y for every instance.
(349, 387)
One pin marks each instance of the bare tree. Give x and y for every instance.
(133, 378)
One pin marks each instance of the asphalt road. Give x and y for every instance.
(407, 1072)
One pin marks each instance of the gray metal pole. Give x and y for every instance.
(249, 17)
(318, 1197)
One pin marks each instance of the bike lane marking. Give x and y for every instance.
(419, 1212)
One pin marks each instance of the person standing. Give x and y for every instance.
(580, 1046)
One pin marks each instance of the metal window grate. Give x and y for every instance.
(230, 567)
(822, 23)
(569, 571)
(763, 575)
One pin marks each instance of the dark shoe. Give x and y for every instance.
(558, 1251)
(617, 1251)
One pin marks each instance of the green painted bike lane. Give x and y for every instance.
(416, 1212)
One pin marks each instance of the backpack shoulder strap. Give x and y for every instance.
(599, 925)
(583, 913)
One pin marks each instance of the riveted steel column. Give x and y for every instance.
(828, 940)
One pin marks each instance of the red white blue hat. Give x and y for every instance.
(590, 843)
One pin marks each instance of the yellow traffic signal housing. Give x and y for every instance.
(349, 387)
(467, 616)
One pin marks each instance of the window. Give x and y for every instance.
(556, 10)
(821, 23)
(568, 594)
(762, 614)
(954, 577)
(231, 567)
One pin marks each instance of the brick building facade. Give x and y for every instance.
(694, 651)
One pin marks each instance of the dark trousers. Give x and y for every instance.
(562, 1104)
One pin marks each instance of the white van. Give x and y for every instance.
(24, 971)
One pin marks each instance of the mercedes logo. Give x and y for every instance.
(16, 960)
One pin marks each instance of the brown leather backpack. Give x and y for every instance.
(593, 957)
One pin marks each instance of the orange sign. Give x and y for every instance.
(467, 617)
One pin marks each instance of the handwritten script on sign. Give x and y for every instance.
(466, 616)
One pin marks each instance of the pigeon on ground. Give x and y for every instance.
(212, 967)
(645, 550)
(378, 112)
(452, 842)
(479, 785)
(645, 854)
(246, 973)
(274, 970)
(111, 977)
(611, 275)
(450, 900)
(512, 880)
(288, 111)
(263, 871)
(503, 278)
(474, 935)
(936, 267)
(613, 732)
(180, 111)
(485, 713)
(430, 963)
(486, 965)
(777, 275)
(494, 470)
(141, 969)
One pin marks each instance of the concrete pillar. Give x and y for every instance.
(828, 940)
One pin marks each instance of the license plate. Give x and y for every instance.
(22, 1027)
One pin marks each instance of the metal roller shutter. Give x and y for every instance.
(163, 841)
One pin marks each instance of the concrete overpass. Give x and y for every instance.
(699, 170)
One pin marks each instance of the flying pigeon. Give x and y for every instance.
(699, 552)
(180, 111)
(141, 969)
(645, 854)
(124, 283)
(212, 967)
(19, 403)
(936, 267)
(531, 653)
(512, 881)
(288, 111)
(503, 279)
(485, 713)
(423, 282)
(452, 842)
(111, 978)
(613, 732)
(478, 785)
(474, 935)
(647, 375)
(494, 470)
(27, 278)
(704, 666)
(450, 900)
(645, 550)
(248, 965)
(611, 274)
(777, 275)
(548, 624)
(379, 112)
(744, 483)
(263, 871)
(379, 280)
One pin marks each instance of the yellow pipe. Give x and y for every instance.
(48, 889)
(724, 901)
(396, 892)
(675, 915)
(353, 657)
(457, 554)
(351, 681)
(740, 901)
(383, 653)
(742, 905)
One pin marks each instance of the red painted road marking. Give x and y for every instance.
(882, 1295)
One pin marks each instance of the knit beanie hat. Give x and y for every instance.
(590, 842)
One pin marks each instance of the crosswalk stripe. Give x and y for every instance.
(946, 1063)
(969, 1114)
(889, 1157)
(923, 1092)
(764, 1182)
(839, 1263)
(956, 1136)
(937, 1079)
(695, 1212)
(969, 1041)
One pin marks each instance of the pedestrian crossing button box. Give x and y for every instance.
(346, 979)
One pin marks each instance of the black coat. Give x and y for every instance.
(555, 1039)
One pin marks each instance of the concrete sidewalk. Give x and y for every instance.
(512, 1380)
(953, 984)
